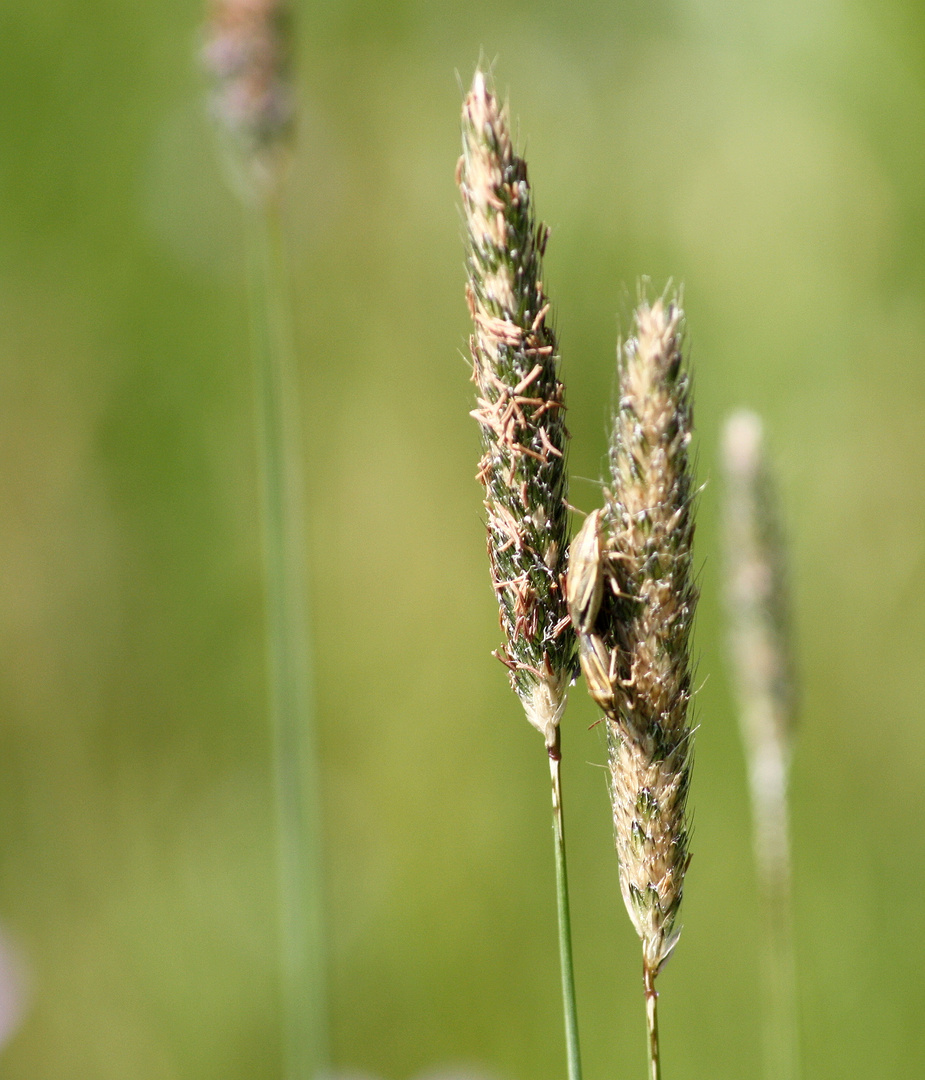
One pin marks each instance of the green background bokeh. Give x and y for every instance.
(771, 158)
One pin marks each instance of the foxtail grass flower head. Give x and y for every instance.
(515, 367)
(632, 598)
(246, 55)
(759, 639)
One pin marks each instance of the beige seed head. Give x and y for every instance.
(634, 648)
(756, 597)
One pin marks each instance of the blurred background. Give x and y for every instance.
(770, 158)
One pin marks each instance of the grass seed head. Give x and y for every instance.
(759, 639)
(635, 650)
(520, 406)
(246, 55)
(756, 587)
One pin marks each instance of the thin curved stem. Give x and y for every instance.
(291, 696)
(565, 926)
(655, 1066)
(772, 851)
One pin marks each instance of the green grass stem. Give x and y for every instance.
(652, 1047)
(780, 1019)
(569, 1004)
(290, 679)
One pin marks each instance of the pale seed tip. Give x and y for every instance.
(742, 439)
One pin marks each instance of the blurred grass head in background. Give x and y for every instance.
(247, 54)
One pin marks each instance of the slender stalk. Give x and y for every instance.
(569, 1005)
(655, 1067)
(780, 1025)
(288, 649)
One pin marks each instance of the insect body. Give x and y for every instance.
(585, 595)
(586, 575)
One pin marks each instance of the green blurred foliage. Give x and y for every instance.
(771, 158)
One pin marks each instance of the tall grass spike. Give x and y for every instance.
(515, 360)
